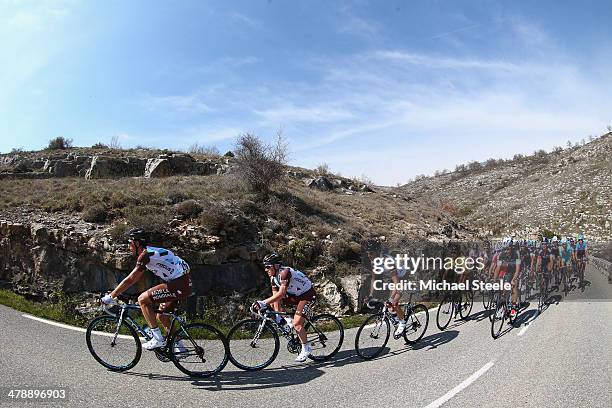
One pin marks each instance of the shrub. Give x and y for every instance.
(300, 252)
(99, 146)
(474, 166)
(260, 166)
(189, 208)
(214, 219)
(97, 213)
(119, 233)
(59, 143)
(345, 251)
(176, 197)
(153, 219)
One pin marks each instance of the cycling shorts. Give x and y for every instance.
(169, 293)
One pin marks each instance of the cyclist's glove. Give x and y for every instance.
(261, 305)
(107, 299)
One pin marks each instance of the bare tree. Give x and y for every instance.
(322, 168)
(196, 148)
(114, 143)
(258, 165)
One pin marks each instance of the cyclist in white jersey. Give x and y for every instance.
(290, 286)
(172, 270)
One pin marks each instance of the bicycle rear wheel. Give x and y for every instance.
(372, 336)
(325, 334)
(499, 316)
(445, 312)
(416, 324)
(202, 350)
(116, 348)
(252, 346)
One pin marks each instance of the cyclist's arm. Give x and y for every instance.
(282, 290)
(129, 280)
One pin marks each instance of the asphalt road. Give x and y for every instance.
(560, 358)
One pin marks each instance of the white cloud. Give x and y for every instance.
(316, 113)
(445, 62)
(191, 104)
(243, 19)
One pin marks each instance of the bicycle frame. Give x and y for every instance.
(124, 316)
(268, 316)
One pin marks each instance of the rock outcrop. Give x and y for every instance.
(112, 167)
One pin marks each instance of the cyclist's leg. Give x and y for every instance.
(145, 300)
(394, 298)
(167, 295)
(515, 277)
(304, 305)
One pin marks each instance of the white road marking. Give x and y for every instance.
(524, 329)
(78, 329)
(460, 387)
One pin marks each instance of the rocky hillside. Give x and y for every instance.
(68, 232)
(566, 192)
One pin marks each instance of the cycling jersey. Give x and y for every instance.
(297, 282)
(401, 272)
(511, 257)
(566, 254)
(163, 263)
(581, 246)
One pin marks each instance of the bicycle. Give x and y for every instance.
(503, 309)
(378, 327)
(254, 343)
(114, 341)
(565, 277)
(581, 262)
(453, 304)
(543, 279)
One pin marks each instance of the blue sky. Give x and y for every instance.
(385, 89)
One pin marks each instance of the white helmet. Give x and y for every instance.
(555, 239)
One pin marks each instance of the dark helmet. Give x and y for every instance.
(138, 234)
(272, 259)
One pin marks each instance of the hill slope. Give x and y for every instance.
(567, 192)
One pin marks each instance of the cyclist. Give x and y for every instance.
(172, 270)
(290, 286)
(394, 297)
(509, 261)
(544, 262)
(565, 258)
(581, 256)
(554, 256)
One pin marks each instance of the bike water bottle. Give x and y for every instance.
(148, 331)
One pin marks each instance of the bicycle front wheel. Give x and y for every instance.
(325, 334)
(116, 347)
(372, 336)
(416, 324)
(253, 345)
(199, 350)
(499, 316)
(445, 312)
(467, 302)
